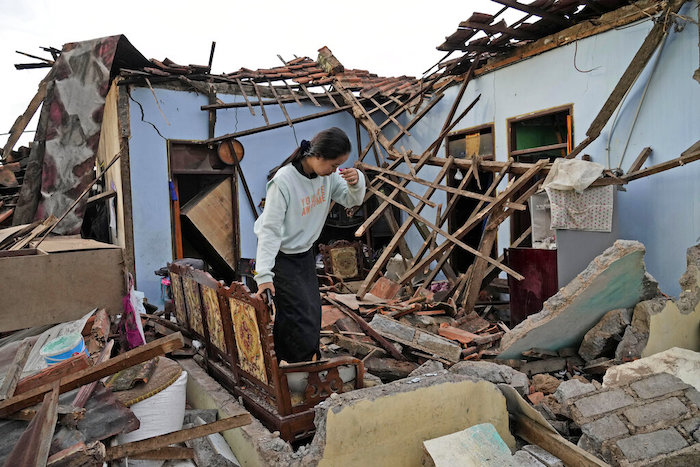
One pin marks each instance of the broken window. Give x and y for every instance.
(540, 135)
(464, 144)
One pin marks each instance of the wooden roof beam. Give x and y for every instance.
(544, 14)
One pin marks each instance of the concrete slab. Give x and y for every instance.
(615, 279)
(494, 373)
(479, 445)
(386, 425)
(682, 363)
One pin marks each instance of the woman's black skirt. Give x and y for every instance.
(297, 327)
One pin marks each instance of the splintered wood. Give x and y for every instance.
(390, 187)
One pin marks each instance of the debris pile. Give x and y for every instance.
(68, 412)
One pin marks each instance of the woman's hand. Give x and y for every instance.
(351, 175)
(263, 287)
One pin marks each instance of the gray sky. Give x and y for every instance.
(390, 38)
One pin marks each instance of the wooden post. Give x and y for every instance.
(156, 442)
(88, 375)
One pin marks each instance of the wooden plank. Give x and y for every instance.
(272, 126)
(53, 373)
(32, 448)
(9, 384)
(211, 213)
(476, 278)
(293, 94)
(417, 118)
(390, 117)
(150, 444)
(544, 14)
(88, 375)
(689, 155)
(309, 95)
(48, 426)
(260, 102)
(388, 346)
(445, 234)
(23, 120)
(86, 391)
(419, 164)
(405, 190)
(280, 103)
(330, 97)
(554, 443)
(514, 244)
(38, 230)
(245, 96)
(550, 147)
(476, 219)
(389, 249)
(635, 67)
(166, 453)
(438, 186)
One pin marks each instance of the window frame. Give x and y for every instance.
(536, 114)
(472, 130)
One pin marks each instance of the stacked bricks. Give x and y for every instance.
(655, 420)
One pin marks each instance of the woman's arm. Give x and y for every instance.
(269, 231)
(344, 191)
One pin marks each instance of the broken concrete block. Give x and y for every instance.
(535, 397)
(543, 366)
(655, 412)
(494, 373)
(525, 459)
(429, 367)
(552, 405)
(416, 338)
(636, 335)
(682, 363)
(603, 338)
(370, 380)
(603, 429)
(545, 457)
(545, 383)
(648, 445)
(479, 445)
(615, 279)
(690, 281)
(386, 425)
(665, 324)
(658, 385)
(603, 402)
(388, 369)
(572, 388)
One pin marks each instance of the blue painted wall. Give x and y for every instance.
(149, 164)
(662, 211)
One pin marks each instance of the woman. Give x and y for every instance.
(297, 204)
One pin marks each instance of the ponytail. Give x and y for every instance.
(327, 144)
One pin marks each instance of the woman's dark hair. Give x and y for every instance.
(327, 144)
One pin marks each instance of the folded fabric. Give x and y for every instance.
(572, 174)
(591, 210)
